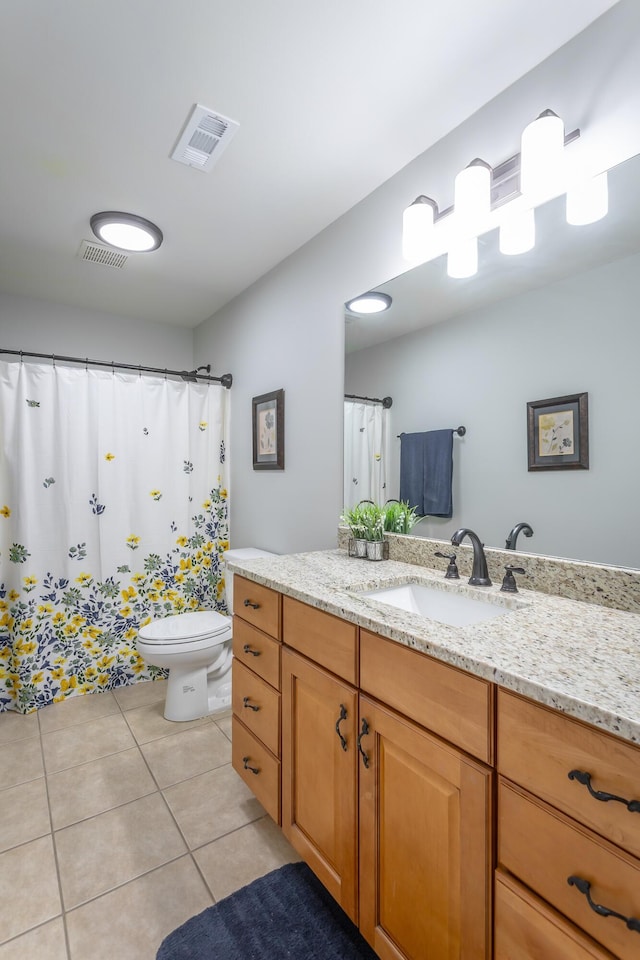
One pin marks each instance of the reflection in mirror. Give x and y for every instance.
(559, 320)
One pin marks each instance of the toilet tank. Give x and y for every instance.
(242, 553)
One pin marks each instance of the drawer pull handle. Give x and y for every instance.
(585, 780)
(585, 888)
(247, 649)
(245, 761)
(343, 716)
(363, 733)
(248, 603)
(249, 706)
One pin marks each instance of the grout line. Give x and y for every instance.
(55, 852)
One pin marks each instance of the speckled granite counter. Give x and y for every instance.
(581, 658)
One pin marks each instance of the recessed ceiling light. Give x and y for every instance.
(126, 231)
(369, 303)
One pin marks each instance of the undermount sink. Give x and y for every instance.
(444, 606)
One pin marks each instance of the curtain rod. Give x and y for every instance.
(190, 375)
(386, 401)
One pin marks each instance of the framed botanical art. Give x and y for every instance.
(558, 433)
(268, 431)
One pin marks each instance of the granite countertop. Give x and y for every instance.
(581, 658)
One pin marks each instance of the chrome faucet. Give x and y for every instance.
(479, 575)
(513, 536)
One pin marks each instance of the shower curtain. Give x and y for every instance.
(113, 511)
(366, 439)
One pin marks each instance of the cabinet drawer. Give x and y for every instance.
(321, 637)
(543, 848)
(257, 651)
(539, 747)
(257, 604)
(264, 779)
(257, 705)
(528, 929)
(451, 703)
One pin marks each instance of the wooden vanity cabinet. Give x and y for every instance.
(394, 821)
(255, 744)
(551, 827)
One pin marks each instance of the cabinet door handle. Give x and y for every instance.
(248, 603)
(245, 761)
(247, 649)
(343, 716)
(363, 733)
(249, 706)
(585, 888)
(585, 779)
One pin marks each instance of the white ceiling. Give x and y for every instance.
(332, 99)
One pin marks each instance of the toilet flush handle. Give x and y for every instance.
(248, 603)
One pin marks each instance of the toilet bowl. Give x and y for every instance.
(196, 649)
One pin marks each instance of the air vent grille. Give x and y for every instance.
(204, 138)
(102, 255)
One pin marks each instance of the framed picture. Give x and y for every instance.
(268, 431)
(558, 433)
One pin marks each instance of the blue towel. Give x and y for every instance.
(426, 472)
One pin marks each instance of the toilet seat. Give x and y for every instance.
(187, 627)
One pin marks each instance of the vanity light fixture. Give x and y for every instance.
(369, 303)
(518, 233)
(472, 197)
(462, 258)
(504, 196)
(126, 231)
(542, 157)
(417, 228)
(588, 202)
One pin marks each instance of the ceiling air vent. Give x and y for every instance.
(204, 138)
(101, 254)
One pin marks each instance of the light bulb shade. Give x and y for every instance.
(369, 303)
(126, 231)
(518, 233)
(472, 197)
(588, 202)
(462, 259)
(542, 157)
(417, 229)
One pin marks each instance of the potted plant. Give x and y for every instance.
(399, 517)
(354, 519)
(373, 520)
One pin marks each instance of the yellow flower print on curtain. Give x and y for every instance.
(147, 544)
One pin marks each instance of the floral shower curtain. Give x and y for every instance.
(113, 511)
(366, 439)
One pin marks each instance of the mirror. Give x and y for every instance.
(563, 319)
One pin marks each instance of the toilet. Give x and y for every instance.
(196, 649)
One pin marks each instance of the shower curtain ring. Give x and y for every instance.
(53, 359)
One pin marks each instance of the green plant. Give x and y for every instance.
(365, 521)
(399, 517)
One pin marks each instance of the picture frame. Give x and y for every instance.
(267, 415)
(558, 433)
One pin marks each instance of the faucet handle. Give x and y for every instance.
(509, 583)
(452, 570)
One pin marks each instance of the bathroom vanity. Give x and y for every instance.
(440, 779)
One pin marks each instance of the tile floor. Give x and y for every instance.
(117, 825)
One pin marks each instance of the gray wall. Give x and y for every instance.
(480, 370)
(287, 330)
(45, 327)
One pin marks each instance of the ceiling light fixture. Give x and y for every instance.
(126, 231)
(542, 157)
(369, 303)
(417, 226)
(472, 197)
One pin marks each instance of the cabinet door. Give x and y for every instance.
(319, 794)
(425, 843)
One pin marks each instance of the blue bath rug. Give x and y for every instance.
(287, 914)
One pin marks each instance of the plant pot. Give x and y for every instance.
(359, 547)
(375, 549)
